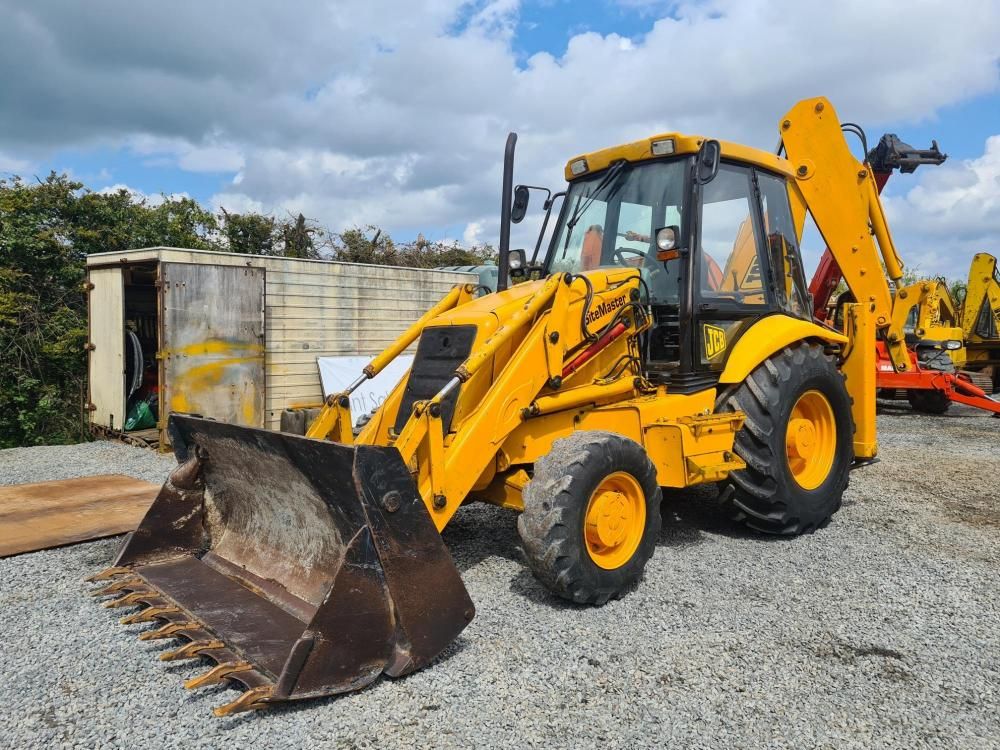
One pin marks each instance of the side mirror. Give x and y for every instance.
(520, 207)
(667, 240)
(708, 162)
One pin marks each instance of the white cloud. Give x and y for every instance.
(236, 203)
(473, 234)
(14, 165)
(151, 199)
(951, 213)
(373, 111)
(210, 157)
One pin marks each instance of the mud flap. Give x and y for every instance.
(301, 567)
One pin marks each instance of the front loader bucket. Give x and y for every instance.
(300, 567)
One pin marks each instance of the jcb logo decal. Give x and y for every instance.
(715, 340)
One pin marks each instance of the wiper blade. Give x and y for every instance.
(580, 210)
(616, 168)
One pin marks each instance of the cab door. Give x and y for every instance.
(732, 284)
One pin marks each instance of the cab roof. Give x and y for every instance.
(642, 150)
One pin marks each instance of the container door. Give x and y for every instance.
(212, 342)
(106, 363)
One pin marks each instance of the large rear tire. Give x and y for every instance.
(797, 442)
(591, 516)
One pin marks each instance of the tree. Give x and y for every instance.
(297, 238)
(250, 234)
(372, 245)
(42, 312)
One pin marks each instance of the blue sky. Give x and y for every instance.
(391, 113)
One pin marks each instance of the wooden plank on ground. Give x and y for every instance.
(49, 514)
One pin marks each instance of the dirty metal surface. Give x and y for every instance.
(213, 341)
(255, 628)
(313, 566)
(50, 514)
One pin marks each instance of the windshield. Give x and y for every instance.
(610, 219)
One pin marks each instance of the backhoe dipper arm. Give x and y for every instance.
(890, 154)
(841, 194)
(981, 308)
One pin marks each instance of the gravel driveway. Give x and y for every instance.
(882, 630)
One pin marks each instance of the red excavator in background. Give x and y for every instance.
(934, 336)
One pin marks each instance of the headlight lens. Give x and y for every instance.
(666, 239)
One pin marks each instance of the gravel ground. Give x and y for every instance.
(882, 630)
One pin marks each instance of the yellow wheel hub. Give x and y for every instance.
(811, 440)
(615, 520)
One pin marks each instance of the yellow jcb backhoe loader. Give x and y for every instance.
(305, 566)
(980, 317)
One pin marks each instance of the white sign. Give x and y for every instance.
(337, 373)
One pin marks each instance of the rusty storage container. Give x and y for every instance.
(233, 337)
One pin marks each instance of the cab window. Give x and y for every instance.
(782, 247)
(610, 219)
(730, 262)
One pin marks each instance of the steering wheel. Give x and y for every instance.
(619, 256)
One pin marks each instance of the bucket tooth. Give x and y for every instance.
(107, 574)
(149, 615)
(217, 674)
(130, 600)
(131, 583)
(168, 630)
(191, 650)
(250, 700)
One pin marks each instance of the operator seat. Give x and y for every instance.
(590, 253)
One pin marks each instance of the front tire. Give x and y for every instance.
(591, 516)
(797, 442)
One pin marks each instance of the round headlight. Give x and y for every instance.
(952, 345)
(666, 239)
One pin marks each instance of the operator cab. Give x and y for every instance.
(648, 213)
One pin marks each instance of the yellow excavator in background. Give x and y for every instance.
(954, 350)
(980, 318)
(306, 566)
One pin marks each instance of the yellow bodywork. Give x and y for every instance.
(517, 397)
(642, 150)
(840, 193)
(935, 317)
(770, 335)
(508, 413)
(306, 567)
(980, 315)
